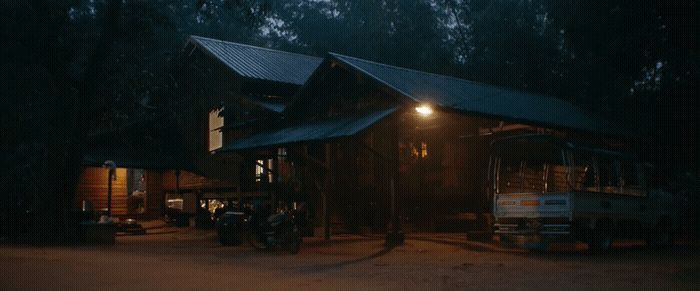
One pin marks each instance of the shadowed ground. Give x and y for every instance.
(191, 259)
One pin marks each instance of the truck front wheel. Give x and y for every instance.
(600, 238)
(661, 235)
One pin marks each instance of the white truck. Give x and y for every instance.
(545, 188)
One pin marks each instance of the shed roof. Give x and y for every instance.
(335, 127)
(260, 63)
(472, 97)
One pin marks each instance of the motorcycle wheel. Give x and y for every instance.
(255, 242)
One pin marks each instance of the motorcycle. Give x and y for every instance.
(229, 226)
(278, 230)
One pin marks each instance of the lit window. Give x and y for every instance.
(261, 170)
(282, 154)
(216, 121)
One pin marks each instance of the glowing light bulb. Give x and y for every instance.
(424, 110)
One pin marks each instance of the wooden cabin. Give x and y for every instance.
(371, 144)
(234, 90)
(143, 154)
(360, 144)
(237, 90)
(135, 192)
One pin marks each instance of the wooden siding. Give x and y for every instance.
(190, 181)
(93, 187)
(430, 189)
(155, 195)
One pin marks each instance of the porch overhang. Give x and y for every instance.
(336, 127)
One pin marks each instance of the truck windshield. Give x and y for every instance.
(525, 166)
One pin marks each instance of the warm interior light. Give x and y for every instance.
(424, 110)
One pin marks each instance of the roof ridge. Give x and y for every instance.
(500, 90)
(411, 70)
(447, 77)
(197, 37)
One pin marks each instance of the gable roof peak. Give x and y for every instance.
(240, 44)
(482, 99)
(259, 63)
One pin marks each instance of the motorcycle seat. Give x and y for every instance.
(276, 219)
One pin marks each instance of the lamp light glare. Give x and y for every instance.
(424, 110)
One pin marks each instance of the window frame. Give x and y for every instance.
(616, 160)
(213, 129)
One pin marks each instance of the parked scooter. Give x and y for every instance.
(278, 230)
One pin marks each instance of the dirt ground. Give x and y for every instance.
(188, 259)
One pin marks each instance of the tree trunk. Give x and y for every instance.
(66, 146)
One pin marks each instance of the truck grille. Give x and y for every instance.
(545, 225)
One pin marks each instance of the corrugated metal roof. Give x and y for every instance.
(260, 63)
(317, 130)
(272, 106)
(472, 97)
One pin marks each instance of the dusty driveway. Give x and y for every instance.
(193, 260)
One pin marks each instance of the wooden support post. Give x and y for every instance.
(392, 190)
(177, 181)
(321, 176)
(326, 216)
(240, 197)
(275, 181)
(395, 236)
(110, 176)
(327, 186)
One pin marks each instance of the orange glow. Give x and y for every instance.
(530, 203)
